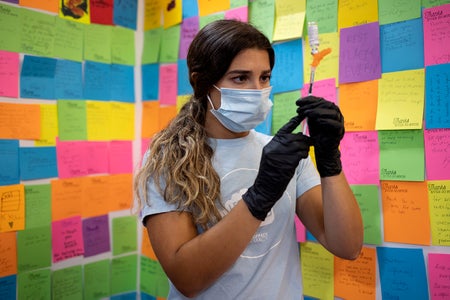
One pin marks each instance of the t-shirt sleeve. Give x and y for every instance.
(155, 201)
(307, 176)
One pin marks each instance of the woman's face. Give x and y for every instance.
(250, 69)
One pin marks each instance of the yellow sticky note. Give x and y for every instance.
(329, 65)
(98, 118)
(289, 19)
(122, 121)
(49, 125)
(357, 12)
(208, 7)
(181, 100)
(318, 270)
(152, 14)
(403, 89)
(12, 214)
(76, 12)
(172, 12)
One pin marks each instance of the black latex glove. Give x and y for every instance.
(326, 129)
(280, 157)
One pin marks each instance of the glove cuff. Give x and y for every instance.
(329, 163)
(255, 205)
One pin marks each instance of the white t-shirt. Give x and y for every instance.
(269, 268)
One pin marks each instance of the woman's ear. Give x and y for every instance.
(193, 77)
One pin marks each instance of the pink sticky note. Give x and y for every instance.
(437, 153)
(300, 230)
(325, 88)
(189, 28)
(436, 37)
(72, 159)
(168, 83)
(97, 160)
(120, 157)
(67, 239)
(360, 157)
(9, 74)
(439, 275)
(239, 13)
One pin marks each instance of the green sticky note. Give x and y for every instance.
(67, 283)
(205, 20)
(402, 155)
(97, 43)
(34, 285)
(261, 15)
(97, 280)
(37, 241)
(38, 210)
(124, 234)
(72, 120)
(152, 45)
(153, 280)
(122, 46)
(69, 38)
(283, 109)
(367, 198)
(123, 274)
(324, 13)
(238, 3)
(37, 33)
(170, 44)
(10, 28)
(397, 11)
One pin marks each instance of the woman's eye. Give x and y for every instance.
(265, 78)
(240, 78)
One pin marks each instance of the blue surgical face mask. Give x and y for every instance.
(242, 109)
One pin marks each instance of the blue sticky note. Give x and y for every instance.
(190, 9)
(68, 80)
(184, 87)
(402, 273)
(122, 83)
(437, 96)
(401, 46)
(9, 162)
(38, 163)
(287, 74)
(125, 13)
(145, 296)
(8, 287)
(97, 81)
(37, 77)
(310, 237)
(150, 81)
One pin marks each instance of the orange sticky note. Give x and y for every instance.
(147, 248)
(67, 197)
(150, 118)
(358, 103)
(406, 213)
(166, 114)
(20, 121)
(120, 191)
(356, 279)
(8, 250)
(48, 5)
(207, 7)
(96, 199)
(12, 203)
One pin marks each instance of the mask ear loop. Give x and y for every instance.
(210, 102)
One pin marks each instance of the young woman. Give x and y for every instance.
(219, 199)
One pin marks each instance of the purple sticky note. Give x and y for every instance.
(189, 29)
(359, 53)
(96, 235)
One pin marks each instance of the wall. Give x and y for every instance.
(80, 101)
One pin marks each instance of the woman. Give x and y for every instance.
(211, 244)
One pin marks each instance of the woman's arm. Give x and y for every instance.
(331, 213)
(191, 261)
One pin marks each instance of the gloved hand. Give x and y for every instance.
(326, 129)
(280, 157)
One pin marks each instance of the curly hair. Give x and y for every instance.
(180, 158)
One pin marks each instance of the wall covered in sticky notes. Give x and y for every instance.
(84, 88)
